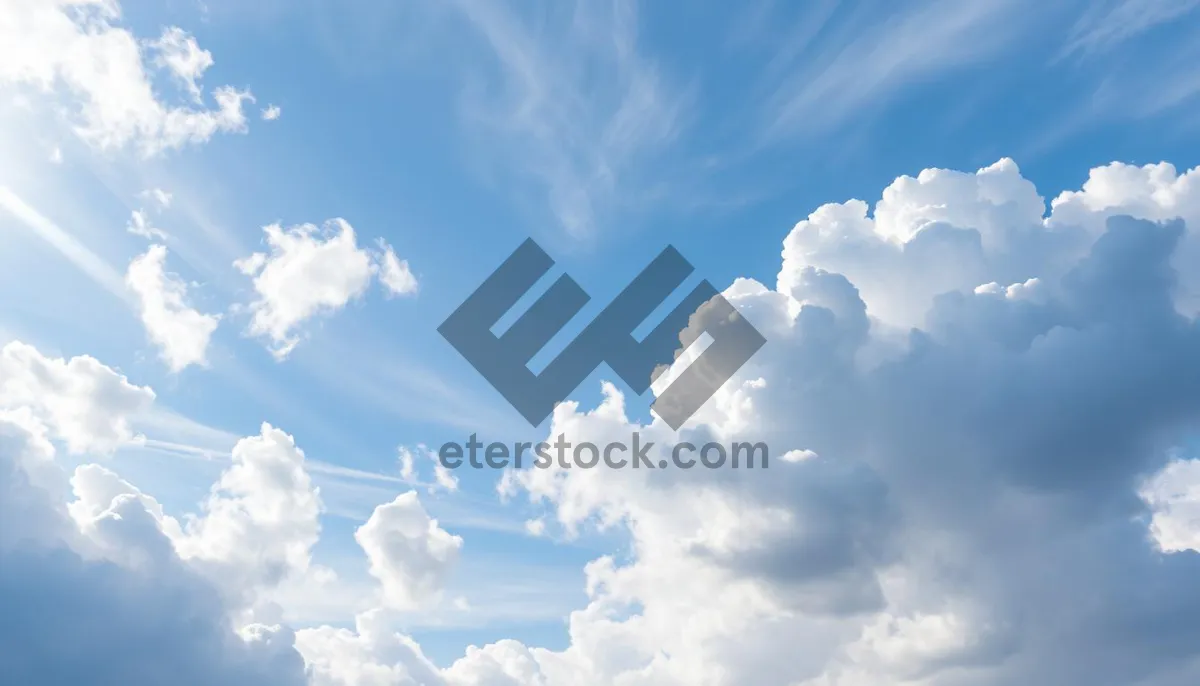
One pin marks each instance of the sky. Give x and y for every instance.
(229, 231)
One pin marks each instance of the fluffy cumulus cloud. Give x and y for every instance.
(76, 50)
(93, 591)
(313, 271)
(101, 585)
(180, 332)
(977, 474)
(410, 554)
(80, 401)
(372, 654)
(979, 410)
(980, 400)
(1173, 495)
(986, 397)
(260, 521)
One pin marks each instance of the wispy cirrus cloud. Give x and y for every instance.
(579, 105)
(1104, 25)
(854, 59)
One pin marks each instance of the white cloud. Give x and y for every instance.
(408, 470)
(83, 403)
(370, 655)
(178, 52)
(181, 333)
(271, 113)
(443, 478)
(1173, 495)
(260, 521)
(160, 198)
(161, 622)
(409, 553)
(917, 245)
(139, 219)
(139, 225)
(394, 273)
(76, 49)
(536, 527)
(1152, 191)
(310, 271)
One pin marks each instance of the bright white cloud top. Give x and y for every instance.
(313, 271)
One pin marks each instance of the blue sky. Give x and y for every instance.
(452, 131)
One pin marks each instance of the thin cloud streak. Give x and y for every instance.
(1104, 26)
(581, 109)
(858, 71)
(70, 247)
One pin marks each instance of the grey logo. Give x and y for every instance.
(503, 360)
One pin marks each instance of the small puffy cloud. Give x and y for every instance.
(139, 220)
(394, 273)
(181, 333)
(443, 478)
(75, 49)
(408, 464)
(271, 112)
(158, 197)
(139, 225)
(311, 271)
(411, 462)
(798, 455)
(1173, 495)
(261, 519)
(409, 553)
(178, 51)
(82, 402)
